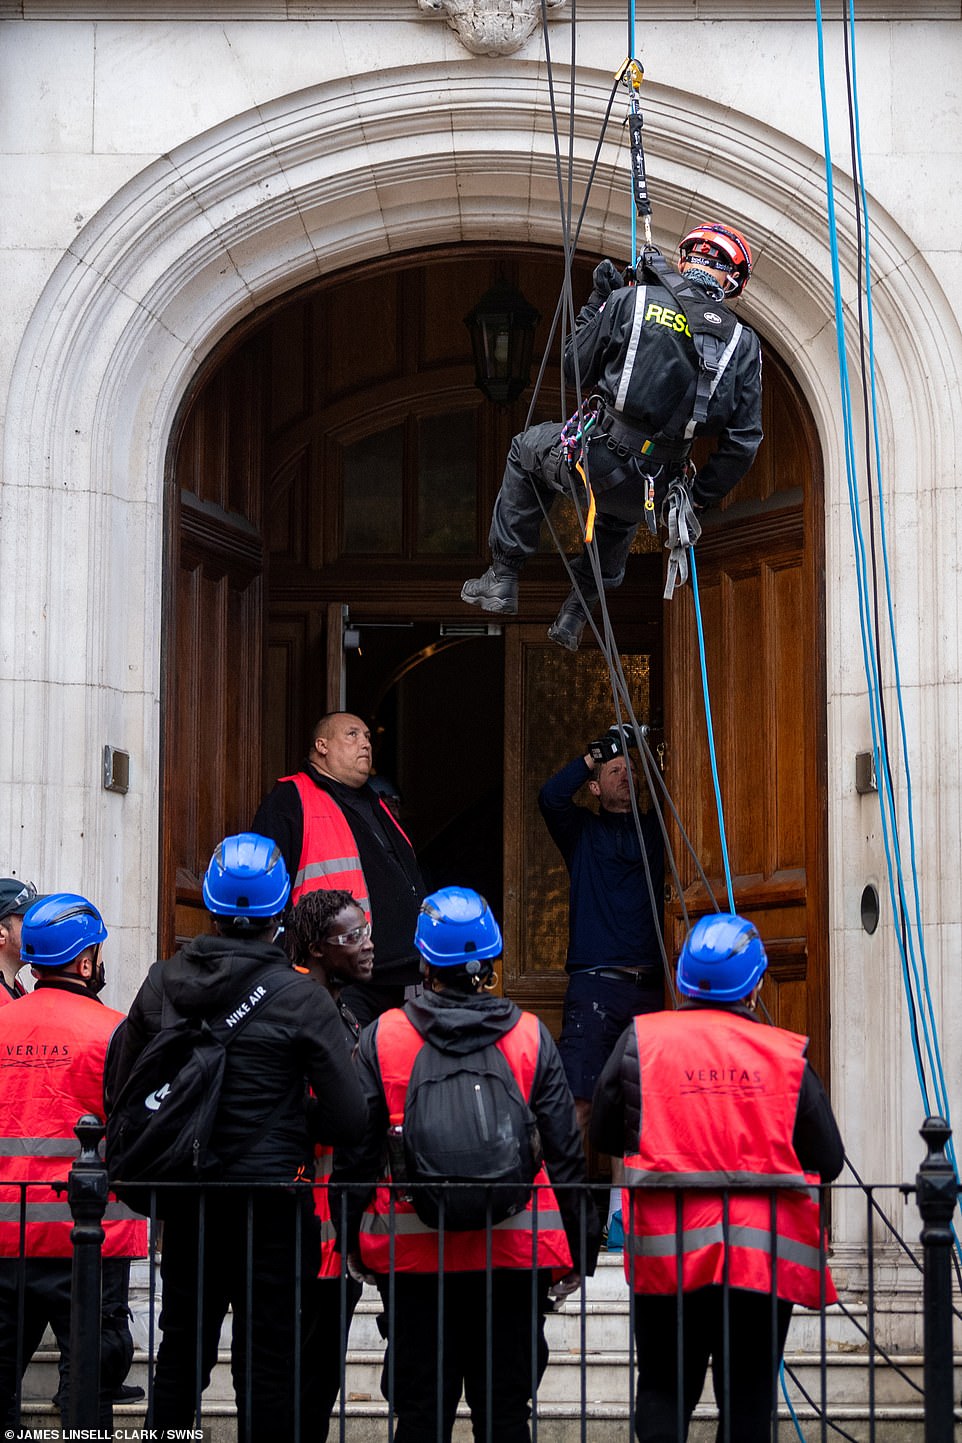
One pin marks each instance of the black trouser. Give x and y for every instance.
(745, 1379)
(47, 1301)
(535, 472)
(489, 1351)
(237, 1250)
(325, 1345)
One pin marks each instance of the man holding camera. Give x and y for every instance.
(614, 917)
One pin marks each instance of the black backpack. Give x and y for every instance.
(465, 1121)
(160, 1119)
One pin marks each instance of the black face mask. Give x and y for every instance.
(97, 981)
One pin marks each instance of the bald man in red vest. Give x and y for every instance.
(336, 832)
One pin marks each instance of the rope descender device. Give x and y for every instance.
(631, 75)
(573, 441)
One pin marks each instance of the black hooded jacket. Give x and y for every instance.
(295, 1041)
(462, 1024)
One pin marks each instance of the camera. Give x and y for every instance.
(614, 743)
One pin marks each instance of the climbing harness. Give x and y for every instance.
(574, 443)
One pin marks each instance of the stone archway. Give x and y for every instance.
(264, 202)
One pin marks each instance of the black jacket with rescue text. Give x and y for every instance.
(644, 371)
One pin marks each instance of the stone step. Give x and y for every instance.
(603, 1314)
(607, 1422)
(607, 1379)
(605, 1301)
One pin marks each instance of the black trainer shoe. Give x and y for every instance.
(123, 1393)
(570, 622)
(496, 590)
(128, 1393)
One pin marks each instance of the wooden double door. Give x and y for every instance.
(330, 485)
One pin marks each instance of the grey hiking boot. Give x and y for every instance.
(496, 590)
(570, 622)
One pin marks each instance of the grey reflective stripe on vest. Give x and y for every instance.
(408, 1224)
(633, 340)
(51, 1212)
(326, 868)
(39, 1147)
(665, 1245)
(738, 1181)
(726, 356)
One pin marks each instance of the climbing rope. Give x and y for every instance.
(683, 524)
(910, 940)
(683, 536)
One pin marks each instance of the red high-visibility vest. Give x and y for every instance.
(329, 859)
(534, 1237)
(330, 1266)
(719, 1097)
(52, 1050)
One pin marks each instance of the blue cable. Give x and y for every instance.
(903, 731)
(868, 653)
(711, 731)
(631, 51)
(788, 1402)
(888, 806)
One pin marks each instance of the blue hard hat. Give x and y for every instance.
(246, 877)
(455, 927)
(58, 927)
(722, 958)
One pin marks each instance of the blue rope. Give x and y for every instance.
(914, 976)
(939, 1075)
(631, 51)
(788, 1402)
(711, 732)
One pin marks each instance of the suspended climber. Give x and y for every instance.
(656, 359)
(660, 361)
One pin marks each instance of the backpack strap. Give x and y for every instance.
(520, 1047)
(715, 332)
(252, 1002)
(246, 1006)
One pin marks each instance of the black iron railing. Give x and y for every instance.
(802, 1398)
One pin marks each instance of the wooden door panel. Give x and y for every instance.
(216, 707)
(759, 584)
(213, 643)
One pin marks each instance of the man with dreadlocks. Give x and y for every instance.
(328, 937)
(658, 363)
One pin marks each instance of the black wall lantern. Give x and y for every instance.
(502, 333)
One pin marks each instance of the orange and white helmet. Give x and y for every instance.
(722, 249)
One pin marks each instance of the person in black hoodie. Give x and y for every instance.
(249, 1248)
(493, 1309)
(334, 832)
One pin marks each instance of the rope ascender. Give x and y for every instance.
(631, 75)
